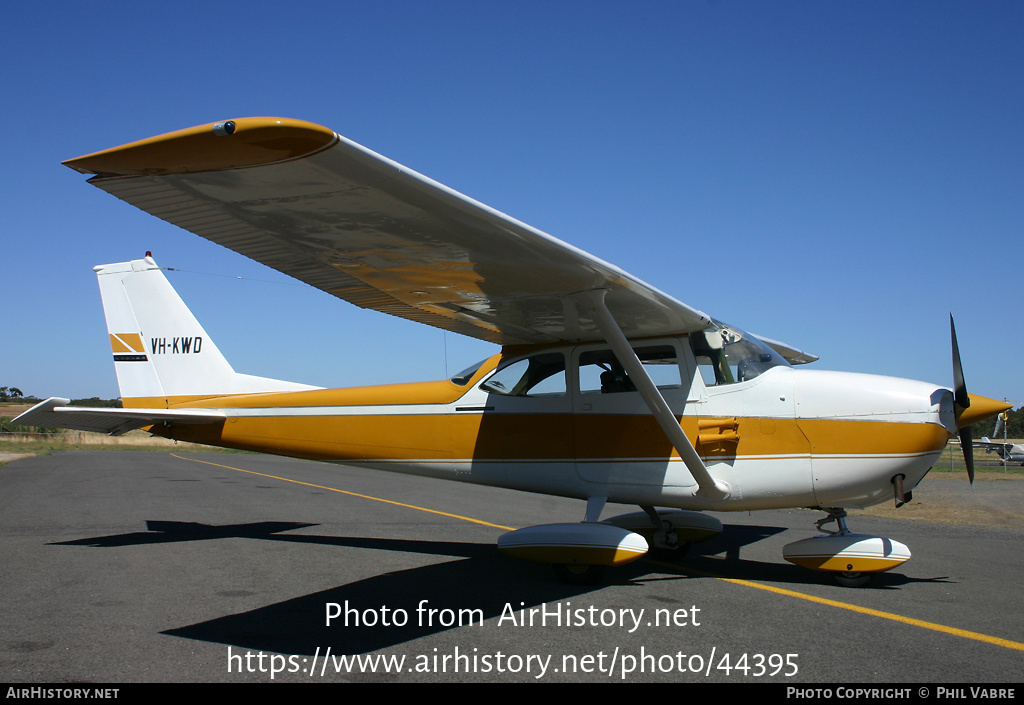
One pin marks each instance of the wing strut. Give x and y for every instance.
(659, 408)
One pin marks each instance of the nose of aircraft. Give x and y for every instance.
(981, 408)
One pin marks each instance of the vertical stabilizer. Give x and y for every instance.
(162, 355)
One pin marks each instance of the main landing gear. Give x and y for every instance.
(581, 552)
(853, 559)
(669, 532)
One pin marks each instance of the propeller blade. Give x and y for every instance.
(960, 396)
(983, 408)
(962, 400)
(967, 446)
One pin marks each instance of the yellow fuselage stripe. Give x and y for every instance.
(408, 435)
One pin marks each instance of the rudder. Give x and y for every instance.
(162, 354)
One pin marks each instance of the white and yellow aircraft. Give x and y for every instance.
(605, 389)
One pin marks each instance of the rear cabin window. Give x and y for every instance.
(537, 376)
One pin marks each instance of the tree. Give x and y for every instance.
(1014, 426)
(10, 393)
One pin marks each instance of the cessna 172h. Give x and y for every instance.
(605, 389)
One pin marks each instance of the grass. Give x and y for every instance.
(952, 461)
(25, 440)
(44, 443)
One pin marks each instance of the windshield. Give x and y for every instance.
(726, 355)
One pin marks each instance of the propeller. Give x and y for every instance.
(961, 400)
(969, 408)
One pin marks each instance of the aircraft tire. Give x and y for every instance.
(579, 574)
(670, 554)
(852, 579)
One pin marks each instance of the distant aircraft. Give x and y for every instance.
(1013, 452)
(606, 389)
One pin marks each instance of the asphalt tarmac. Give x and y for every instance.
(124, 567)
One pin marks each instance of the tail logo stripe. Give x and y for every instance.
(126, 343)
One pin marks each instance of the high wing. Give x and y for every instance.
(329, 212)
(54, 412)
(316, 206)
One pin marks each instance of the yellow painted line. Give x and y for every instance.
(351, 494)
(963, 633)
(1005, 643)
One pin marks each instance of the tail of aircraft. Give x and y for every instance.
(162, 355)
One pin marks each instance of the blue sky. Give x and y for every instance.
(840, 176)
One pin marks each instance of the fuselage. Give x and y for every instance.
(563, 420)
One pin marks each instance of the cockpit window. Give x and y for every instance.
(538, 376)
(727, 355)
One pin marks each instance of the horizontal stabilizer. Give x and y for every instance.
(53, 413)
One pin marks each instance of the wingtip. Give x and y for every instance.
(210, 147)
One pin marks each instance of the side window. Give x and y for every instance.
(538, 376)
(662, 364)
(601, 373)
(727, 355)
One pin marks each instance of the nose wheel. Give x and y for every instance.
(836, 514)
(852, 578)
(847, 578)
(851, 558)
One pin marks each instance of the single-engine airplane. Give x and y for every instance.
(605, 389)
(1009, 452)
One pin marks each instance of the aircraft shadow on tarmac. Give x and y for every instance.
(483, 580)
(174, 531)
